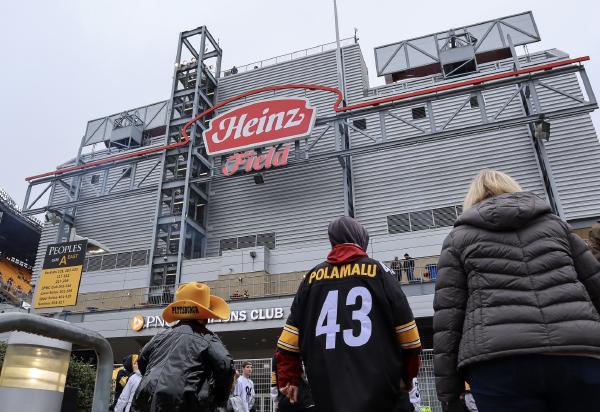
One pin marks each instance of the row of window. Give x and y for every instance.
(265, 239)
(423, 219)
(116, 260)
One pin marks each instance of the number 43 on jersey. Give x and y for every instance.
(327, 323)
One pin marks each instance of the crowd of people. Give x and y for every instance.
(516, 325)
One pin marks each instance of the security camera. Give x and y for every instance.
(252, 254)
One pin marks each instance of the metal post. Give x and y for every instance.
(68, 332)
(338, 55)
(513, 52)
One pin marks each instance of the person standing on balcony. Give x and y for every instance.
(396, 266)
(517, 302)
(186, 367)
(352, 326)
(409, 268)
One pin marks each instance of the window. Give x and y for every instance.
(167, 241)
(109, 261)
(193, 243)
(95, 178)
(474, 102)
(139, 258)
(360, 124)
(419, 113)
(228, 244)
(176, 166)
(421, 220)
(264, 239)
(398, 223)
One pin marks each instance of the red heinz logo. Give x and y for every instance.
(261, 123)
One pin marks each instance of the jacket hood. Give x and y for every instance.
(505, 212)
(347, 230)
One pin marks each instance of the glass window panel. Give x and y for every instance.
(421, 220)
(398, 223)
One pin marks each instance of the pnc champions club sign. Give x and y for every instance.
(138, 322)
(61, 275)
(267, 122)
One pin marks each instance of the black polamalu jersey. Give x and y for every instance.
(352, 325)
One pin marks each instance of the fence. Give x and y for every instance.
(262, 285)
(261, 376)
(233, 288)
(424, 269)
(288, 57)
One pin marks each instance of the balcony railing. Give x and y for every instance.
(287, 57)
(233, 288)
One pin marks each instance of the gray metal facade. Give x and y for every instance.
(298, 202)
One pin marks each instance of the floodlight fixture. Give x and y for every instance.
(93, 246)
(185, 63)
(52, 217)
(193, 60)
(542, 130)
(176, 64)
(259, 179)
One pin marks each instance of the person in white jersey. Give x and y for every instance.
(245, 387)
(415, 396)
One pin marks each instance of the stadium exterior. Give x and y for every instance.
(399, 158)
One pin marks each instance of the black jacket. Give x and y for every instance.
(185, 368)
(121, 380)
(513, 279)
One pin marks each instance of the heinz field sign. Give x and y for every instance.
(263, 123)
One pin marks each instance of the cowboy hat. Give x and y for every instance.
(194, 301)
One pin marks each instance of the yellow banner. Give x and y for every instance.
(58, 287)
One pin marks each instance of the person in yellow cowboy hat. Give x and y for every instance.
(186, 367)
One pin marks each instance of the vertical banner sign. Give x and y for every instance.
(61, 275)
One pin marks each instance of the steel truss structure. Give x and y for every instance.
(187, 172)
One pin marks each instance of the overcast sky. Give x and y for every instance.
(66, 62)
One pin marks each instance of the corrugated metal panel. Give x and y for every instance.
(573, 151)
(295, 203)
(121, 224)
(431, 175)
(298, 203)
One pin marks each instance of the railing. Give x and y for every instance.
(261, 376)
(287, 57)
(12, 205)
(422, 270)
(234, 288)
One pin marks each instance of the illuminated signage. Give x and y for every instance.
(139, 323)
(250, 161)
(251, 315)
(61, 275)
(267, 122)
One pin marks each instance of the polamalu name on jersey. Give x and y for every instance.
(351, 320)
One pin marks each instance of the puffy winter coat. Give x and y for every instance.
(513, 279)
(185, 368)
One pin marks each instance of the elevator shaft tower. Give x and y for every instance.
(182, 206)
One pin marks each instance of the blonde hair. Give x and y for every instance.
(487, 184)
